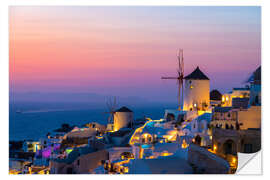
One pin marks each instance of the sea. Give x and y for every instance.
(31, 121)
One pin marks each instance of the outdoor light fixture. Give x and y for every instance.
(234, 160)
(223, 98)
(215, 147)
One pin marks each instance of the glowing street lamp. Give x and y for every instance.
(215, 148)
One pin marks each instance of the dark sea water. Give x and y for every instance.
(35, 120)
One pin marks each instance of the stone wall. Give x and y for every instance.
(115, 152)
(239, 138)
(206, 162)
(84, 164)
(250, 118)
(89, 162)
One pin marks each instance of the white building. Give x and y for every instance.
(224, 117)
(227, 98)
(196, 91)
(123, 117)
(199, 126)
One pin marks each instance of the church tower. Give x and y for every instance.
(196, 91)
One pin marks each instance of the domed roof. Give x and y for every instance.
(123, 109)
(215, 95)
(197, 74)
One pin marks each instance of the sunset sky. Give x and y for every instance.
(125, 50)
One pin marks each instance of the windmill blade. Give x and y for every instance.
(110, 120)
(182, 63)
(182, 93)
(169, 77)
(179, 59)
(108, 103)
(179, 92)
(179, 74)
(114, 104)
(111, 103)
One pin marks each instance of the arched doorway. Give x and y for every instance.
(147, 138)
(229, 147)
(198, 140)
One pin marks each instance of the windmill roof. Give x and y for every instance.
(123, 109)
(197, 74)
(215, 95)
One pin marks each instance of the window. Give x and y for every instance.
(229, 115)
(78, 162)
